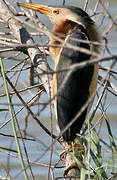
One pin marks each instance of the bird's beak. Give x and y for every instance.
(36, 7)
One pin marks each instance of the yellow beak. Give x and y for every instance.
(36, 7)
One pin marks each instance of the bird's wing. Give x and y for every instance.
(75, 91)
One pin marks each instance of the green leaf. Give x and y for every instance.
(114, 147)
(8, 149)
(3, 110)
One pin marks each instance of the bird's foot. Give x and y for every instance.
(78, 152)
(74, 165)
(62, 155)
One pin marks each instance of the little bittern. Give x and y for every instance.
(73, 26)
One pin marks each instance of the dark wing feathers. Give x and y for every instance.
(76, 90)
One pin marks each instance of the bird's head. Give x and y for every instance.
(61, 13)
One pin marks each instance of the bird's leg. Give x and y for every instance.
(61, 155)
(67, 147)
(77, 152)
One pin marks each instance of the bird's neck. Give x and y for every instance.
(66, 27)
(59, 34)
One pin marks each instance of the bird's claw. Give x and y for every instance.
(71, 166)
(78, 152)
(62, 155)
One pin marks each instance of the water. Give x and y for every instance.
(37, 148)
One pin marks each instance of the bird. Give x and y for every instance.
(72, 26)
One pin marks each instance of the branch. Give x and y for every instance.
(23, 37)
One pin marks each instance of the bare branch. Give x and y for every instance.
(23, 37)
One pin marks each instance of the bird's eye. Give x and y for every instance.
(56, 11)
